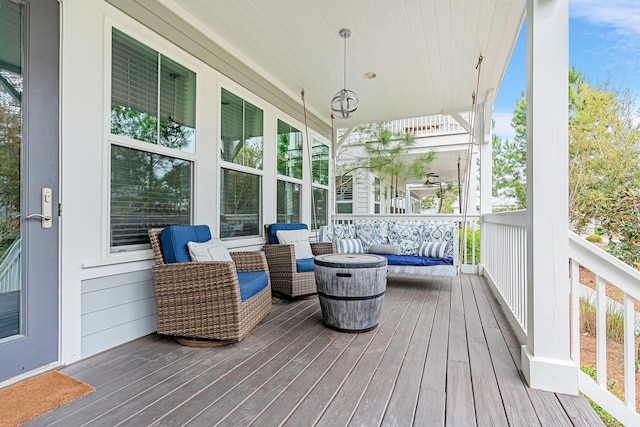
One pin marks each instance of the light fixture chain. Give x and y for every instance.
(344, 82)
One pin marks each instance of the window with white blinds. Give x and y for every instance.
(319, 163)
(240, 204)
(288, 205)
(153, 98)
(320, 206)
(289, 150)
(147, 191)
(153, 101)
(344, 194)
(241, 131)
(320, 178)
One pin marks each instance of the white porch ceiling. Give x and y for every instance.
(424, 52)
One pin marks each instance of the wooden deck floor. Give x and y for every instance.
(441, 355)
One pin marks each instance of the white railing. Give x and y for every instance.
(11, 269)
(435, 125)
(606, 268)
(470, 247)
(504, 240)
(428, 125)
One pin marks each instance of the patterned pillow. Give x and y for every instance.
(349, 246)
(407, 235)
(372, 232)
(325, 234)
(344, 231)
(433, 249)
(441, 233)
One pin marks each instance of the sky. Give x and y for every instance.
(604, 45)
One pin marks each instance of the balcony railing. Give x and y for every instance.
(428, 126)
(611, 272)
(435, 125)
(505, 265)
(504, 239)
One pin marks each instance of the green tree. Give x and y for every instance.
(510, 160)
(619, 215)
(385, 154)
(10, 160)
(427, 203)
(447, 195)
(604, 148)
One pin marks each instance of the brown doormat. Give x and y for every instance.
(35, 396)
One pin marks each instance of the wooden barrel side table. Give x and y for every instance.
(351, 290)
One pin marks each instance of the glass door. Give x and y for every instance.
(29, 82)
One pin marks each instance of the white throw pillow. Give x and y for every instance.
(349, 246)
(213, 250)
(300, 241)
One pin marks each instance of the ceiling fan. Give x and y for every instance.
(431, 175)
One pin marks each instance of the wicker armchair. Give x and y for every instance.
(286, 280)
(199, 301)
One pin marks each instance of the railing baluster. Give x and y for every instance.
(601, 332)
(629, 352)
(575, 312)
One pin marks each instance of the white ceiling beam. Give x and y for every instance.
(458, 118)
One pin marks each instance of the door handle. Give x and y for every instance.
(45, 216)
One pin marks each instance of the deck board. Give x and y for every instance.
(486, 393)
(402, 405)
(443, 353)
(460, 408)
(433, 392)
(515, 400)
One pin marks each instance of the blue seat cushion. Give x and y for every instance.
(416, 260)
(273, 229)
(252, 283)
(304, 265)
(174, 239)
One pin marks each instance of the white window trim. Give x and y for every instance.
(171, 51)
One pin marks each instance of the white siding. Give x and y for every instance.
(107, 299)
(116, 309)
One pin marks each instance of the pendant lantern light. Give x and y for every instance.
(346, 101)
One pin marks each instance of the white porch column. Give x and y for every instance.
(546, 362)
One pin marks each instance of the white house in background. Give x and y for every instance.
(361, 191)
(139, 113)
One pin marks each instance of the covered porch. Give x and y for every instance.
(443, 353)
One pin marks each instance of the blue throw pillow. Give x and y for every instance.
(174, 239)
(273, 229)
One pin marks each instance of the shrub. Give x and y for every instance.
(598, 230)
(614, 322)
(594, 238)
(471, 238)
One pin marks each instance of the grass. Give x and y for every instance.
(606, 417)
(594, 238)
(614, 321)
(615, 332)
